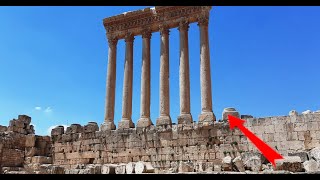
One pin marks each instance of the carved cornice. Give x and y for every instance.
(135, 21)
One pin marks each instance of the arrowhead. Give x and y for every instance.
(234, 121)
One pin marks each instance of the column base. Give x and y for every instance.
(125, 124)
(206, 119)
(144, 122)
(109, 125)
(185, 119)
(164, 120)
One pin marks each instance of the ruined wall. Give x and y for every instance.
(19, 145)
(165, 146)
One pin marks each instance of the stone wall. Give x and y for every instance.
(177, 148)
(19, 145)
(166, 147)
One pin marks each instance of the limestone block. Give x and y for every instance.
(74, 128)
(227, 163)
(315, 154)
(185, 167)
(253, 163)
(293, 113)
(302, 154)
(311, 166)
(229, 111)
(239, 163)
(25, 119)
(3, 128)
(289, 163)
(108, 169)
(30, 152)
(59, 130)
(91, 127)
(30, 140)
(41, 160)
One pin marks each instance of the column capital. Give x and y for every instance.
(112, 40)
(203, 20)
(146, 33)
(129, 37)
(164, 29)
(183, 24)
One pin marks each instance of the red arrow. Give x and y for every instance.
(266, 150)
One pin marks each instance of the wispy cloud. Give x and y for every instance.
(51, 127)
(48, 110)
(38, 108)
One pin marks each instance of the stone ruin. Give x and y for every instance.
(206, 146)
(180, 148)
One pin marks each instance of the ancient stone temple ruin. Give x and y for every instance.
(192, 145)
(145, 22)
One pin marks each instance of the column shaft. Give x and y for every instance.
(126, 121)
(144, 120)
(111, 84)
(184, 79)
(164, 78)
(205, 74)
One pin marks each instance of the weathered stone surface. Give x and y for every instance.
(315, 154)
(239, 163)
(59, 130)
(311, 166)
(253, 163)
(227, 163)
(30, 140)
(74, 128)
(91, 127)
(293, 113)
(25, 119)
(229, 111)
(3, 128)
(185, 167)
(289, 163)
(303, 155)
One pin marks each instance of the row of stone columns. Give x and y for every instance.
(184, 79)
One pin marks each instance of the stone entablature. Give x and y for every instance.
(152, 18)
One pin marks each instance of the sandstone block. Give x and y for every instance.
(25, 119)
(74, 128)
(30, 140)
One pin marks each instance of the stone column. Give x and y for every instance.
(184, 80)
(111, 85)
(126, 121)
(164, 118)
(145, 120)
(207, 114)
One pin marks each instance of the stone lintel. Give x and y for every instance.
(136, 21)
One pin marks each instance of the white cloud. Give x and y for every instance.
(51, 127)
(38, 108)
(48, 110)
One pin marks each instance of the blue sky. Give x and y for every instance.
(53, 60)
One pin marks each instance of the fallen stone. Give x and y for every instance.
(315, 154)
(239, 164)
(185, 167)
(311, 166)
(253, 163)
(303, 155)
(289, 163)
(227, 163)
